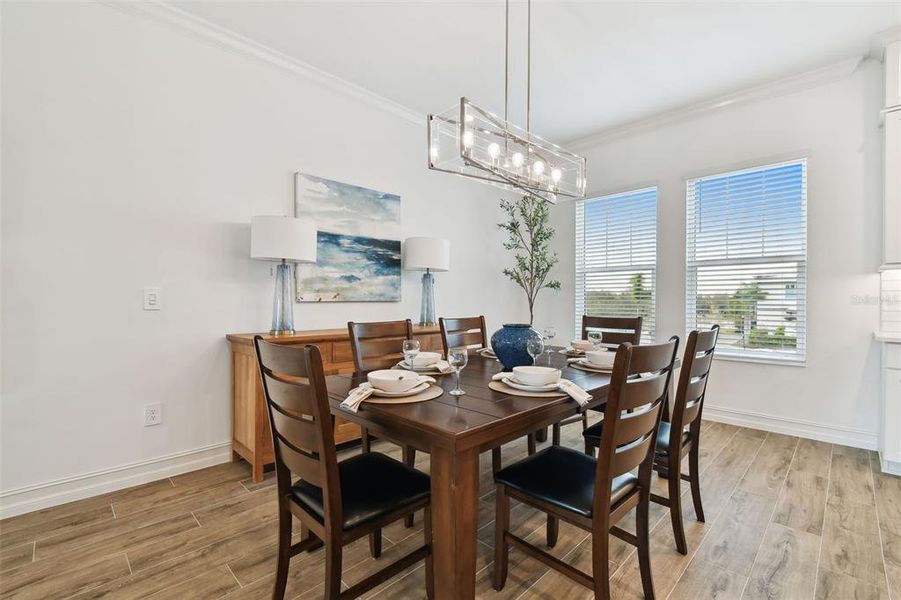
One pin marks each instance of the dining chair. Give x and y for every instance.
(595, 494)
(614, 330)
(674, 441)
(470, 332)
(335, 502)
(379, 345)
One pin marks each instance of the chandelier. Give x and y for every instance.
(473, 142)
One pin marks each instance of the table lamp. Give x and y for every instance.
(427, 254)
(287, 241)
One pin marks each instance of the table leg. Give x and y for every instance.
(455, 490)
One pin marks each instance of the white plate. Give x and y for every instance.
(584, 363)
(487, 353)
(529, 388)
(411, 392)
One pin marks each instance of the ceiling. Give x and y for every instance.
(595, 65)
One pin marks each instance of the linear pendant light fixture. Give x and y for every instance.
(470, 141)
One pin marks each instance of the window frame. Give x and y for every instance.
(648, 335)
(746, 355)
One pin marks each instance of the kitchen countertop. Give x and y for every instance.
(891, 337)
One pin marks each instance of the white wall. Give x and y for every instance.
(835, 396)
(134, 154)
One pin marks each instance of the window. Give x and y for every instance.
(616, 257)
(746, 260)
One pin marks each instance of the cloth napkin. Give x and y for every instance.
(359, 394)
(442, 366)
(564, 385)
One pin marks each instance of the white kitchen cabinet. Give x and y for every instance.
(893, 74)
(890, 438)
(892, 189)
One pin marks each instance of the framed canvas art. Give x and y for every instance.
(358, 242)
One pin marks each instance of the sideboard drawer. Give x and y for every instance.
(342, 353)
(892, 356)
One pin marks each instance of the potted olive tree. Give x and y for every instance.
(528, 238)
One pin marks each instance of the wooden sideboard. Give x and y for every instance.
(251, 436)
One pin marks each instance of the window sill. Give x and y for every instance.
(761, 360)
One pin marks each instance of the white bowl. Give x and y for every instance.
(393, 380)
(425, 359)
(600, 358)
(583, 345)
(536, 376)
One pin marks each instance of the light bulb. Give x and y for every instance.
(538, 167)
(517, 159)
(494, 150)
(467, 139)
(556, 174)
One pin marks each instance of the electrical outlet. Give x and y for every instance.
(153, 414)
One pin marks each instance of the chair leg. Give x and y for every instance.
(364, 440)
(530, 440)
(694, 473)
(600, 565)
(553, 528)
(644, 544)
(429, 569)
(589, 447)
(675, 501)
(409, 456)
(555, 436)
(501, 524)
(333, 552)
(375, 543)
(284, 553)
(496, 464)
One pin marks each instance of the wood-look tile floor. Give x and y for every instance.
(786, 518)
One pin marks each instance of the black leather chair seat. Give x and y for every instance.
(372, 485)
(663, 432)
(562, 477)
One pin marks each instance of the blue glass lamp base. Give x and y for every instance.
(283, 302)
(427, 310)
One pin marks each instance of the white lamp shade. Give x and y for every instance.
(282, 238)
(421, 253)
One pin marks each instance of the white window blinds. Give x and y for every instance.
(616, 257)
(746, 260)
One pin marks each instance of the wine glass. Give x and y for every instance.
(457, 359)
(549, 334)
(535, 348)
(411, 349)
(595, 338)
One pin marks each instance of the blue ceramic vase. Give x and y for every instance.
(509, 344)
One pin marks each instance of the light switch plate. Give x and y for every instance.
(153, 298)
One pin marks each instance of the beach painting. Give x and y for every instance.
(358, 242)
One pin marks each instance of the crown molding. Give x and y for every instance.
(883, 39)
(161, 12)
(772, 89)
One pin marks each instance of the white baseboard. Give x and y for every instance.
(892, 467)
(52, 493)
(845, 436)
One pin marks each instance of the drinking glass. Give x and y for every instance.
(595, 338)
(411, 349)
(549, 334)
(535, 348)
(457, 359)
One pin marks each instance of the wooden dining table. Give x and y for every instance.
(454, 430)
